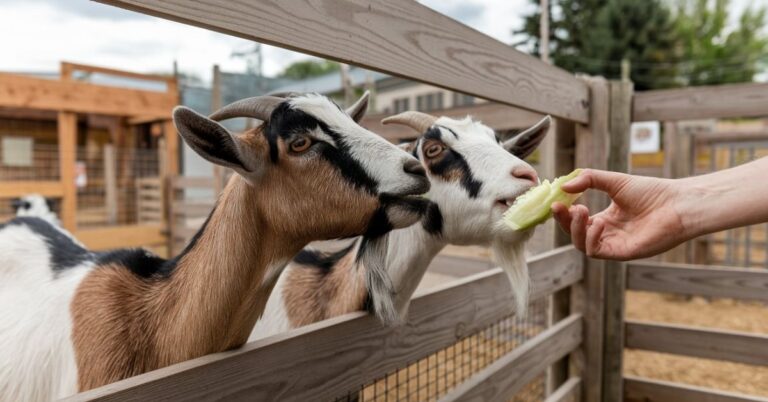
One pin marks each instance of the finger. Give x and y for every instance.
(593, 242)
(580, 215)
(602, 180)
(562, 216)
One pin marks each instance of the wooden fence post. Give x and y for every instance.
(592, 143)
(614, 281)
(67, 133)
(110, 183)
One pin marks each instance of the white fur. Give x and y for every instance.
(37, 361)
(466, 220)
(38, 207)
(362, 144)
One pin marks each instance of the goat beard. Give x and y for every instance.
(381, 290)
(509, 253)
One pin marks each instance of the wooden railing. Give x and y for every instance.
(733, 346)
(327, 359)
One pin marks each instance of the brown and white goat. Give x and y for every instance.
(71, 319)
(474, 178)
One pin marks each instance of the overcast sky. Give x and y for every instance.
(36, 34)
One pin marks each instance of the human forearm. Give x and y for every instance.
(723, 200)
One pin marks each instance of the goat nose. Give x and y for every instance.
(525, 173)
(412, 166)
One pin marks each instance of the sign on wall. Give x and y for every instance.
(645, 137)
(17, 151)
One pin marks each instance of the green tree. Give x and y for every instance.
(593, 36)
(713, 53)
(309, 68)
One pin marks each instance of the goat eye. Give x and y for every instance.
(434, 150)
(300, 144)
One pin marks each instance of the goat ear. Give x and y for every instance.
(16, 203)
(524, 143)
(357, 111)
(210, 139)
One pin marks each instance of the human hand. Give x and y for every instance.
(643, 219)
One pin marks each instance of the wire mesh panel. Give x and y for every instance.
(431, 377)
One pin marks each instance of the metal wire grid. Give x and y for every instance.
(433, 376)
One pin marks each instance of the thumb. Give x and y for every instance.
(602, 180)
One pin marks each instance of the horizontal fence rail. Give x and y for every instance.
(399, 37)
(707, 343)
(570, 391)
(504, 377)
(737, 283)
(647, 390)
(327, 359)
(707, 102)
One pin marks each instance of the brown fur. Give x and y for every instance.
(125, 325)
(311, 295)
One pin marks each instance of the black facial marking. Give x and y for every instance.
(433, 220)
(286, 121)
(323, 261)
(451, 165)
(378, 226)
(64, 252)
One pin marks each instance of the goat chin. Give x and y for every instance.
(381, 290)
(509, 252)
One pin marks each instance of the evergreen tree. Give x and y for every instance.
(309, 68)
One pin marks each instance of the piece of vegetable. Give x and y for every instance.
(534, 207)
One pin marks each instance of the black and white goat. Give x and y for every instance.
(71, 319)
(474, 178)
(35, 205)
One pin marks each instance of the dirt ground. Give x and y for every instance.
(697, 311)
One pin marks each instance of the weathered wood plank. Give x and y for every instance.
(20, 91)
(71, 67)
(568, 392)
(739, 347)
(698, 280)
(706, 102)
(638, 389)
(615, 271)
(327, 359)
(14, 189)
(67, 137)
(399, 37)
(500, 380)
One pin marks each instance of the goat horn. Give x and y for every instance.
(258, 107)
(419, 121)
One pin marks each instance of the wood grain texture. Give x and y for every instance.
(638, 389)
(67, 138)
(24, 92)
(592, 145)
(496, 116)
(739, 347)
(706, 102)
(399, 37)
(614, 281)
(16, 188)
(500, 380)
(698, 280)
(68, 67)
(327, 359)
(568, 392)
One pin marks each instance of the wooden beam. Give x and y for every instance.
(706, 102)
(739, 347)
(614, 280)
(501, 380)
(70, 67)
(638, 389)
(171, 149)
(112, 237)
(568, 392)
(399, 37)
(698, 280)
(330, 358)
(67, 135)
(592, 147)
(19, 91)
(15, 189)
(496, 116)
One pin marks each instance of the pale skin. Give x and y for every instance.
(648, 216)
